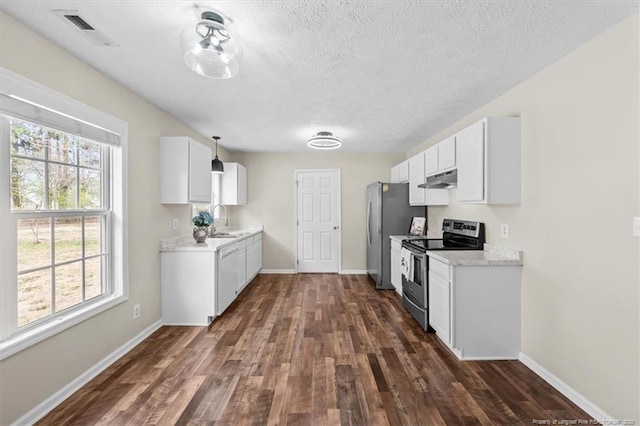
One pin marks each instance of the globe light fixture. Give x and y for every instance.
(209, 49)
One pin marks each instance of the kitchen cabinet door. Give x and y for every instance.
(258, 252)
(403, 172)
(242, 268)
(199, 173)
(185, 171)
(440, 306)
(470, 157)
(233, 185)
(251, 258)
(188, 288)
(394, 174)
(447, 154)
(416, 177)
(488, 158)
(431, 160)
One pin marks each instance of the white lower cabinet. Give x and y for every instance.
(475, 310)
(188, 286)
(440, 306)
(199, 285)
(396, 269)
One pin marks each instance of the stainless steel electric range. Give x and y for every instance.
(456, 235)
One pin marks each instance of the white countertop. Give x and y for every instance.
(398, 238)
(490, 256)
(187, 243)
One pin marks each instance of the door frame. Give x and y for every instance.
(295, 214)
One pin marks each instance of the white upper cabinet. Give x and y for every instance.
(417, 196)
(400, 172)
(447, 154)
(431, 160)
(233, 185)
(488, 159)
(422, 196)
(403, 172)
(185, 171)
(441, 157)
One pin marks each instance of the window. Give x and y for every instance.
(215, 198)
(62, 212)
(59, 184)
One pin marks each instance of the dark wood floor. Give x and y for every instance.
(309, 349)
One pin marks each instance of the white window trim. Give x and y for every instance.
(21, 87)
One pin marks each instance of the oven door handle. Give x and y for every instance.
(411, 300)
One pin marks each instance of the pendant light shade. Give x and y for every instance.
(216, 165)
(209, 49)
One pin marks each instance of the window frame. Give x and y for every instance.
(13, 340)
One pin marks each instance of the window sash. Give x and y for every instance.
(10, 328)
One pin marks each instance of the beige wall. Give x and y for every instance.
(271, 197)
(580, 191)
(34, 374)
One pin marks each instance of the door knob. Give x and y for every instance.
(336, 227)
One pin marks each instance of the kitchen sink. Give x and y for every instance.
(229, 235)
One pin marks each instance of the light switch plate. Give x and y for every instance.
(636, 226)
(504, 230)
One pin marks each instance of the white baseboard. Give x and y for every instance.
(576, 397)
(40, 410)
(277, 271)
(293, 271)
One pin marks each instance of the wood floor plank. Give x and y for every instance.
(309, 349)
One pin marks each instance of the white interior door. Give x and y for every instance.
(318, 220)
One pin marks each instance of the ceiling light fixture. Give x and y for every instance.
(216, 165)
(211, 50)
(324, 140)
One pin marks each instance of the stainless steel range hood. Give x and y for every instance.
(444, 180)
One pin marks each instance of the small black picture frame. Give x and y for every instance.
(418, 226)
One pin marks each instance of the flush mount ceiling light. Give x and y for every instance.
(209, 49)
(324, 140)
(216, 165)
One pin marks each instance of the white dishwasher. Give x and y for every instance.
(228, 276)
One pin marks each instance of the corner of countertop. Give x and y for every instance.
(505, 251)
(169, 243)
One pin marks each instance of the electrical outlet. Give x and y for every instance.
(136, 311)
(636, 226)
(174, 224)
(504, 230)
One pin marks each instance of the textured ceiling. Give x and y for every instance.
(383, 75)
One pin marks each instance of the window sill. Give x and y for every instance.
(27, 339)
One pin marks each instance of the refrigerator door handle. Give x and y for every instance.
(369, 224)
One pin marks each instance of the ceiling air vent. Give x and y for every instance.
(79, 22)
(94, 36)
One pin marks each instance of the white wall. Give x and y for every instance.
(580, 191)
(271, 197)
(34, 374)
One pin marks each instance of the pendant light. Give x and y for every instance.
(216, 165)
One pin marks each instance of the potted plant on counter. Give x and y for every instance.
(202, 221)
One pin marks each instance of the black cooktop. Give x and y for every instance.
(424, 244)
(456, 235)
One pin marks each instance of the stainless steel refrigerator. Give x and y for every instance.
(388, 213)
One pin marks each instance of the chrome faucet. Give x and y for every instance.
(226, 218)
